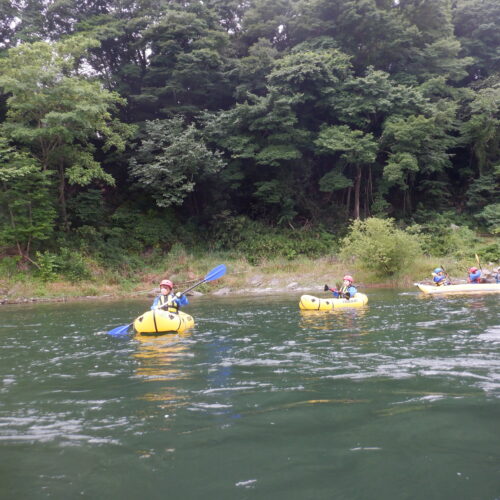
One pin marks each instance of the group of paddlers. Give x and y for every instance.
(474, 275)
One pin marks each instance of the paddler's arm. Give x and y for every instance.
(333, 290)
(181, 300)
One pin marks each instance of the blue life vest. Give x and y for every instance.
(475, 277)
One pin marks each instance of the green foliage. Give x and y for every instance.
(253, 69)
(399, 167)
(67, 263)
(441, 238)
(476, 27)
(379, 246)
(356, 148)
(310, 75)
(418, 143)
(9, 266)
(257, 242)
(170, 159)
(72, 265)
(56, 112)
(27, 214)
(321, 109)
(334, 181)
(491, 217)
(490, 252)
(365, 101)
(481, 127)
(87, 208)
(47, 265)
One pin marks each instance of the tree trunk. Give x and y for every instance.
(62, 197)
(357, 187)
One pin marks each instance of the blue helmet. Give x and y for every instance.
(438, 270)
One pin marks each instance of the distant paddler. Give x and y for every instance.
(440, 277)
(346, 291)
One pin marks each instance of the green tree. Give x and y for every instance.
(419, 153)
(188, 64)
(170, 159)
(367, 101)
(476, 27)
(356, 148)
(27, 213)
(59, 113)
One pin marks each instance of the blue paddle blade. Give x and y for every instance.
(216, 273)
(119, 330)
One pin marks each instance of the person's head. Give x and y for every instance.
(438, 270)
(347, 279)
(473, 269)
(166, 286)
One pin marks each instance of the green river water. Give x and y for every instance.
(400, 400)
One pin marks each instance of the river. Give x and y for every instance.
(399, 400)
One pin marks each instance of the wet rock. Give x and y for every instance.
(255, 280)
(222, 291)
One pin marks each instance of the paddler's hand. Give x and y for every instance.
(178, 295)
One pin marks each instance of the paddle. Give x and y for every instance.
(214, 274)
(447, 275)
(478, 262)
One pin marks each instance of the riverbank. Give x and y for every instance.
(270, 277)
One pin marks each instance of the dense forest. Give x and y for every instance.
(128, 127)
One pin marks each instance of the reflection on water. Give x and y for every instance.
(161, 360)
(336, 320)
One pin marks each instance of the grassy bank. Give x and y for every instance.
(269, 276)
(375, 251)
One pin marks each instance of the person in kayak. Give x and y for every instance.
(439, 277)
(167, 299)
(474, 275)
(347, 290)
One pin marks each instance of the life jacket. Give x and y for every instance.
(475, 277)
(439, 280)
(344, 289)
(169, 301)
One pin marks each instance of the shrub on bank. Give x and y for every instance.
(258, 242)
(380, 247)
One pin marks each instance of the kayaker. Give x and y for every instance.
(347, 290)
(496, 276)
(439, 277)
(167, 298)
(474, 275)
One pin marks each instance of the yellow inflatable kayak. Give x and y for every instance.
(160, 321)
(464, 288)
(311, 303)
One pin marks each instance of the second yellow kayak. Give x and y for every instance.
(311, 303)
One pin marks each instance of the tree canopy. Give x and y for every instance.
(293, 112)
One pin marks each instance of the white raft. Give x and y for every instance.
(464, 288)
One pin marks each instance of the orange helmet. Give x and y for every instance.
(348, 277)
(167, 283)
